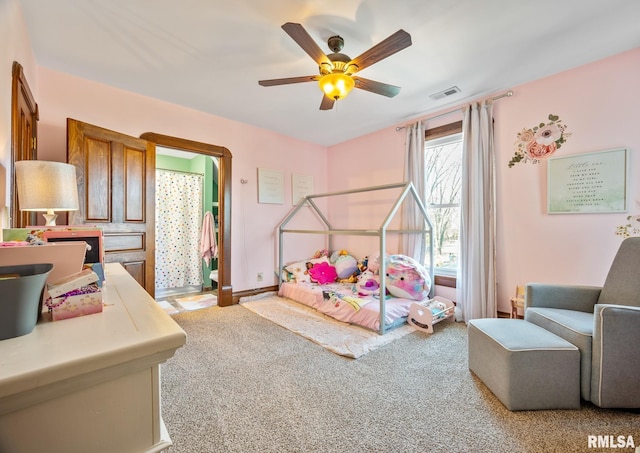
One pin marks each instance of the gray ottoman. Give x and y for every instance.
(525, 366)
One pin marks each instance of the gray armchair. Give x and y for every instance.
(604, 323)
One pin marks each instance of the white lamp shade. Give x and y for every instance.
(46, 186)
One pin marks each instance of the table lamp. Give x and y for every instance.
(46, 186)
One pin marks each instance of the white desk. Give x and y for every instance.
(90, 384)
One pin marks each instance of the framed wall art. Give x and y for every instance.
(588, 183)
(270, 186)
(301, 186)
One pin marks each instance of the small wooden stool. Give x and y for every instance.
(517, 301)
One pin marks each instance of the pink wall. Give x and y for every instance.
(253, 225)
(14, 46)
(598, 103)
(371, 160)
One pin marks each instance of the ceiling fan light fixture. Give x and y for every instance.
(336, 69)
(336, 85)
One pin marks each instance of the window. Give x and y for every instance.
(443, 173)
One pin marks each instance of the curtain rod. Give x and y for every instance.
(180, 171)
(506, 94)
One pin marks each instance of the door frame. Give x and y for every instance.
(225, 289)
(24, 135)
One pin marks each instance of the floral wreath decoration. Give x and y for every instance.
(539, 142)
(632, 228)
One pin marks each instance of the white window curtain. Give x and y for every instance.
(414, 245)
(476, 283)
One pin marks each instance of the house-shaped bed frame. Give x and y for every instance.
(408, 190)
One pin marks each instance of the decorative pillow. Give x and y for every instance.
(345, 264)
(323, 273)
(300, 269)
(407, 278)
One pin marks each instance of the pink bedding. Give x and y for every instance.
(340, 301)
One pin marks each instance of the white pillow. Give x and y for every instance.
(299, 269)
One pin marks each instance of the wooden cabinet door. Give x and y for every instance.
(116, 191)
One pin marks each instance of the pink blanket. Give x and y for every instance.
(340, 301)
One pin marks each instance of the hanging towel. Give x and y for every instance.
(208, 246)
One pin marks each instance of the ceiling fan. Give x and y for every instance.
(337, 70)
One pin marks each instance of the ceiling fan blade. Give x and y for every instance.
(327, 103)
(304, 40)
(376, 87)
(288, 80)
(394, 43)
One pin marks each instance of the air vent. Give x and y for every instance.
(445, 93)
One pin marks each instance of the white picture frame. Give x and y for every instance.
(588, 183)
(270, 186)
(301, 186)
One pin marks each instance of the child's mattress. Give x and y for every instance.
(342, 302)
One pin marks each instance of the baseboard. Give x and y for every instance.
(252, 292)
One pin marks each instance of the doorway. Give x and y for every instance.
(116, 180)
(186, 228)
(223, 208)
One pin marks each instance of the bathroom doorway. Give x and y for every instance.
(189, 160)
(185, 225)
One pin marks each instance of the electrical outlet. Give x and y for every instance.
(259, 277)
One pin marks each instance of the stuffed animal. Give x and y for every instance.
(406, 278)
(320, 253)
(373, 263)
(338, 253)
(437, 309)
(363, 264)
(345, 264)
(367, 284)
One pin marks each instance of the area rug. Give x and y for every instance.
(338, 337)
(197, 301)
(166, 306)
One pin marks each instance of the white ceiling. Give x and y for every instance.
(210, 54)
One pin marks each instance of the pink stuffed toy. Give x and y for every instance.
(323, 273)
(367, 284)
(407, 278)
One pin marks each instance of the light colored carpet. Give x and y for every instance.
(243, 384)
(338, 337)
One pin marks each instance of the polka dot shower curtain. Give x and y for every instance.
(178, 221)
